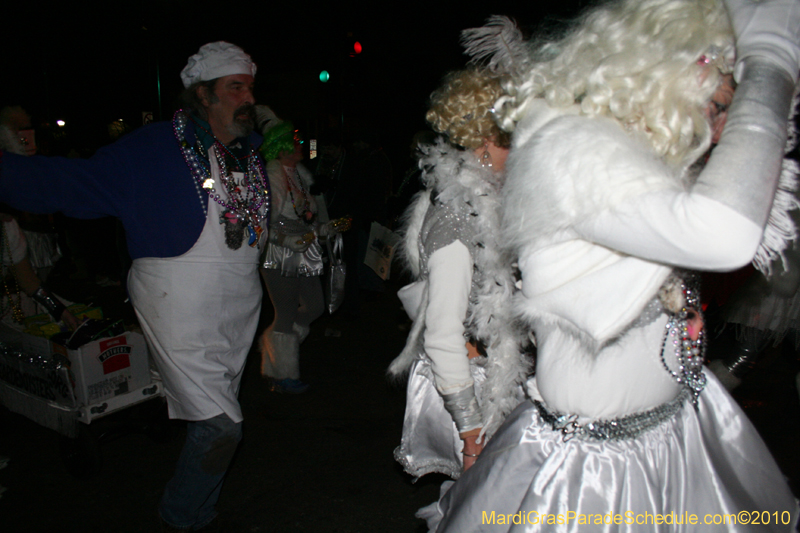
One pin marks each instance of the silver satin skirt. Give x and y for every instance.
(709, 464)
(430, 441)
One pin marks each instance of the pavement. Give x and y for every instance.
(316, 462)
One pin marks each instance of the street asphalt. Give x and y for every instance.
(316, 462)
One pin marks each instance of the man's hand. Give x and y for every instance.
(70, 320)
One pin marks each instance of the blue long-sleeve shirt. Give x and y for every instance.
(142, 179)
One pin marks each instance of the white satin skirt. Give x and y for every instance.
(430, 441)
(705, 470)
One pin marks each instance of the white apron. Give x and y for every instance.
(199, 312)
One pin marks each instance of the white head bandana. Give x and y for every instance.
(215, 60)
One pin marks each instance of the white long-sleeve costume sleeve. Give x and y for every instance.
(449, 284)
(677, 228)
(718, 224)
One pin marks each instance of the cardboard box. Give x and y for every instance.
(99, 370)
(108, 367)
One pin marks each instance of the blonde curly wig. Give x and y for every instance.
(462, 109)
(648, 64)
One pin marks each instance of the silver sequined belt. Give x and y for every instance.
(622, 428)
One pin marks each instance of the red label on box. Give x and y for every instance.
(115, 354)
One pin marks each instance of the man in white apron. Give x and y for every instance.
(194, 200)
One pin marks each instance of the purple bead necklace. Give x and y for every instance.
(245, 207)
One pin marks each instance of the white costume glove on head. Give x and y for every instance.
(769, 29)
(266, 118)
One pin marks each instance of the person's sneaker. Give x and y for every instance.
(166, 528)
(211, 527)
(288, 386)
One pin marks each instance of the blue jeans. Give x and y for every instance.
(190, 496)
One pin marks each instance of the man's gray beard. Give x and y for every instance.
(241, 128)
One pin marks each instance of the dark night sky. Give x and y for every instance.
(89, 63)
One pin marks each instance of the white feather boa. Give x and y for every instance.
(458, 179)
(781, 230)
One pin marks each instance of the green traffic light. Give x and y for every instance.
(324, 76)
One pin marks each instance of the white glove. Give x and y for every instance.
(769, 29)
(265, 118)
(296, 243)
(325, 230)
(331, 228)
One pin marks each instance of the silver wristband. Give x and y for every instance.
(463, 407)
(49, 302)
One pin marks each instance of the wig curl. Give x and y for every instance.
(647, 64)
(462, 108)
(279, 138)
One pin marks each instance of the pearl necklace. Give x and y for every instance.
(246, 207)
(689, 353)
(305, 215)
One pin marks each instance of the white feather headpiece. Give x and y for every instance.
(499, 43)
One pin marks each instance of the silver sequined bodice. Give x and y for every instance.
(443, 225)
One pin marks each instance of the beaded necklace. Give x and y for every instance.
(305, 213)
(242, 206)
(690, 353)
(15, 307)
